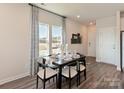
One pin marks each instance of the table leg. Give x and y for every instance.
(60, 78)
(85, 62)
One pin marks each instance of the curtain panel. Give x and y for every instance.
(64, 31)
(34, 40)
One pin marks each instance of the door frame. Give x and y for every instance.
(121, 53)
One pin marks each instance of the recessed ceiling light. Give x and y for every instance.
(78, 16)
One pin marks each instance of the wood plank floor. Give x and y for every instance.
(99, 76)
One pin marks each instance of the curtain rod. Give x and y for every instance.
(47, 10)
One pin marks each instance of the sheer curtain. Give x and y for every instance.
(34, 39)
(64, 31)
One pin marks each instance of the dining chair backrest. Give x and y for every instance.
(41, 63)
(70, 65)
(82, 60)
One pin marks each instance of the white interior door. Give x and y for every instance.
(92, 42)
(106, 45)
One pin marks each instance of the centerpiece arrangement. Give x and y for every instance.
(66, 55)
(64, 49)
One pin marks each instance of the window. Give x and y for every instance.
(43, 39)
(50, 39)
(56, 39)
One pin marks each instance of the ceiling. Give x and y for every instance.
(87, 11)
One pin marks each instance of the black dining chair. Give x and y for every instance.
(81, 67)
(52, 65)
(69, 73)
(45, 73)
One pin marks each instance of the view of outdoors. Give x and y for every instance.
(56, 39)
(44, 39)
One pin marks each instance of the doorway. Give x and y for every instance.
(106, 45)
(92, 40)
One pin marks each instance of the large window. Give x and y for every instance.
(43, 39)
(50, 39)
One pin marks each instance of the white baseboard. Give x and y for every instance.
(118, 68)
(14, 78)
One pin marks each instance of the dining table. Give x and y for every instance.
(60, 62)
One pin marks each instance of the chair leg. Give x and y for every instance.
(66, 79)
(43, 84)
(49, 80)
(85, 74)
(69, 83)
(79, 79)
(53, 79)
(37, 82)
(56, 81)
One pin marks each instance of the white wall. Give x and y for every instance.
(108, 23)
(74, 27)
(14, 41)
(122, 21)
